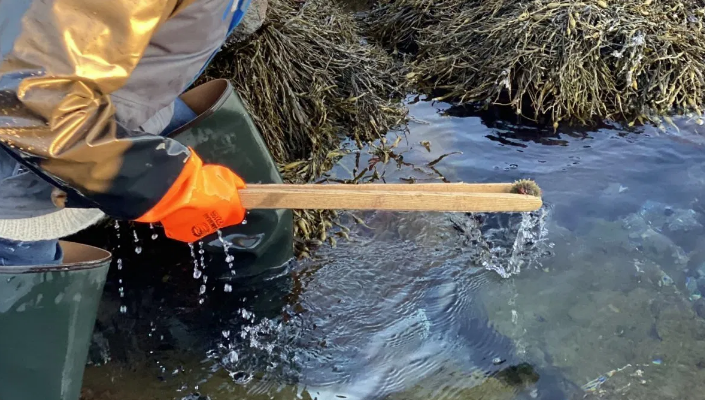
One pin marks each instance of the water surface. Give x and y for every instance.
(597, 295)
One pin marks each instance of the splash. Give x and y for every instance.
(505, 243)
(250, 350)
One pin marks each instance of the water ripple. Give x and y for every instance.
(398, 309)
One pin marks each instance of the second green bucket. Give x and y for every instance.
(47, 314)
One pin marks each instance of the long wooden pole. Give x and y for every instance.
(459, 197)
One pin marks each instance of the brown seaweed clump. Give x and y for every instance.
(309, 81)
(526, 187)
(396, 23)
(576, 61)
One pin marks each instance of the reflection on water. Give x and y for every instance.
(599, 295)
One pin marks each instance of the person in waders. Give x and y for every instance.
(95, 122)
(88, 92)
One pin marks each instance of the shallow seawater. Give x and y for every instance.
(601, 298)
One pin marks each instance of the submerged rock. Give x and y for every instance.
(660, 245)
(662, 217)
(656, 227)
(691, 285)
(699, 308)
(700, 271)
(683, 221)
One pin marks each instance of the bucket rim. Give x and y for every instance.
(218, 91)
(77, 256)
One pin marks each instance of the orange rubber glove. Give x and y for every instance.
(203, 199)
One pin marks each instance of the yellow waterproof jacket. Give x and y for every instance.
(79, 77)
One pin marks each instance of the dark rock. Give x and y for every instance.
(699, 308)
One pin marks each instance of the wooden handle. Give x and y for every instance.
(396, 187)
(399, 197)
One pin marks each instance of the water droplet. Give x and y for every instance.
(244, 222)
(205, 278)
(226, 334)
(228, 288)
(119, 263)
(117, 225)
(200, 301)
(202, 289)
(231, 358)
(228, 258)
(134, 233)
(154, 234)
(123, 309)
(138, 249)
(196, 273)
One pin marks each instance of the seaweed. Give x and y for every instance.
(576, 61)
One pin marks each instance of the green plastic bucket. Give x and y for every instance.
(47, 314)
(225, 134)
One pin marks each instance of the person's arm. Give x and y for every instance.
(56, 113)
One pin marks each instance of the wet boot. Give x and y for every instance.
(47, 314)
